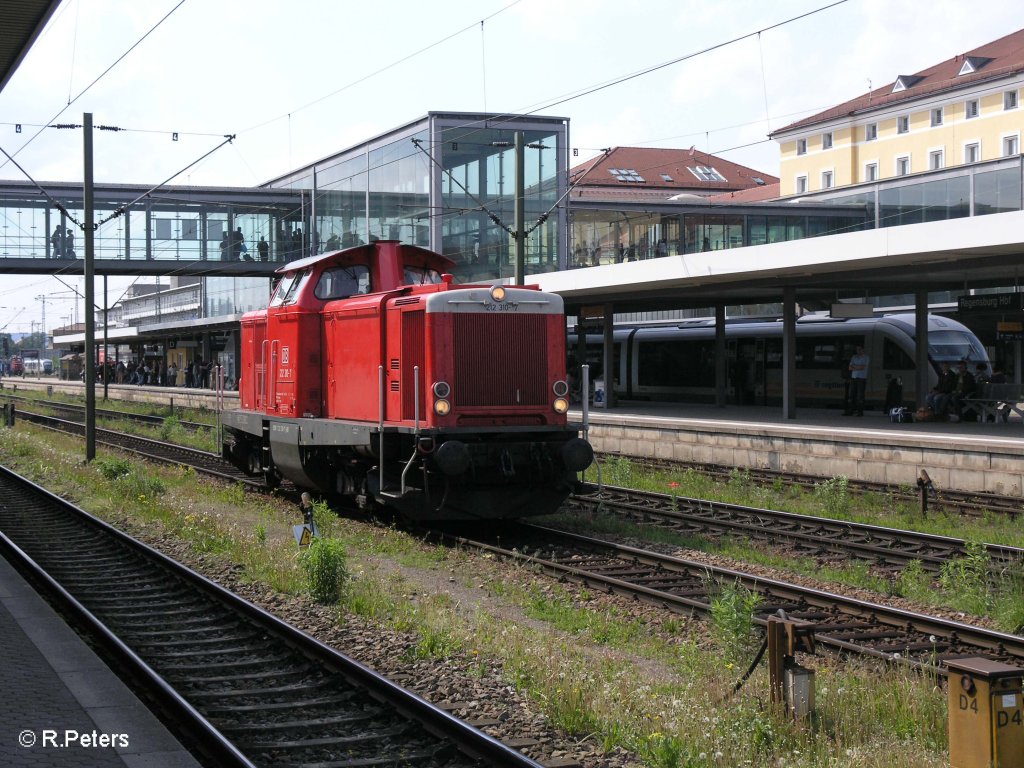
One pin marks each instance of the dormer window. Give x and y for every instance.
(972, 64)
(666, 177)
(905, 81)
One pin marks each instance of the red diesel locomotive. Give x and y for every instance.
(372, 375)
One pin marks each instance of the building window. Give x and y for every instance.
(627, 175)
(826, 140)
(801, 146)
(666, 177)
(903, 165)
(801, 184)
(903, 124)
(935, 159)
(706, 174)
(871, 172)
(1011, 146)
(972, 152)
(971, 109)
(826, 179)
(937, 116)
(871, 132)
(1010, 100)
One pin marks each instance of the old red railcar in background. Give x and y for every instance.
(372, 375)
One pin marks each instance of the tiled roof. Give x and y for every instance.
(1000, 58)
(640, 173)
(752, 195)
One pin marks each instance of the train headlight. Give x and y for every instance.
(498, 293)
(442, 407)
(441, 389)
(560, 388)
(561, 405)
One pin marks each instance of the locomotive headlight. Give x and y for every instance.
(498, 293)
(441, 389)
(442, 407)
(560, 388)
(561, 405)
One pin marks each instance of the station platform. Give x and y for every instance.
(966, 456)
(61, 705)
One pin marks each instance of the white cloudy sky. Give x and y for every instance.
(299, 80)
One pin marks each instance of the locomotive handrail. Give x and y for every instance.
(272, 379)
(380, 426)
(416, 422)
(261, 387)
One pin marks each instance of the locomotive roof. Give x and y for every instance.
(407, 250)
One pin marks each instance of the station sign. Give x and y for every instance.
(1010, 331)
(991, 302)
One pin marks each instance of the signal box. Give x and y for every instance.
(986, 714)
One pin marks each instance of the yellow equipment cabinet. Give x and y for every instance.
(986, 714)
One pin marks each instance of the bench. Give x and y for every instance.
(996, 400)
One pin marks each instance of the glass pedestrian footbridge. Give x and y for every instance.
(227, 230)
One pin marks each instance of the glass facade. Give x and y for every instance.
(606, 234)
(446, 182)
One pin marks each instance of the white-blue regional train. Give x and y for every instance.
(677, 363)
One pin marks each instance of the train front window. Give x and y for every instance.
(421, 276)
(953, 346)
(289, 287)
(342, 282)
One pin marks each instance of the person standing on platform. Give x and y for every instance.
(858, 380)
(263, 249)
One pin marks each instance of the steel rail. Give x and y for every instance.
(876, 543)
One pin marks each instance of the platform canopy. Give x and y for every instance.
(21, 22)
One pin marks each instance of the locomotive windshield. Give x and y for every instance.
(953, 346)
(288, 288)
(421, 276)
(342, 282)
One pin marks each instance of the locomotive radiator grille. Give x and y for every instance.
(495, 360)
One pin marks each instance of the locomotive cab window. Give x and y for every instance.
(288, 289)
(342, 282)
(421, 276)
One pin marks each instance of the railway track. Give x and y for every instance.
(78, 413)
(968, 503)
(889, 549)
(248, 688)
(842, 624)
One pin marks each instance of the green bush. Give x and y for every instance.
(732, 620)
(326, 566)
(113, 468)
(834, 495)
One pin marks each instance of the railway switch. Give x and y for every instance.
(986, 714)
(791, 685)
